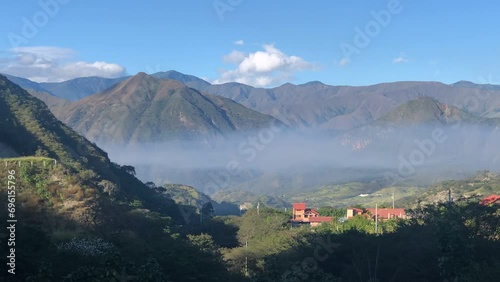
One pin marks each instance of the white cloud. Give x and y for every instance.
(54, 64)
(343, 62)
(262, 68)
(400, 60)
(239, 42)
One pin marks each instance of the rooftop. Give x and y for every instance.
(387, 213)
(321, 219)
(491, 199)
(299, 206)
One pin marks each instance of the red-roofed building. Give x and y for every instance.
(383, 214)
(301, 214)
(352, 212)
(315, 221)
(298, 211)
(490, 200)
(301, 206)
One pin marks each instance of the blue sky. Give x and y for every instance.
(263, 43)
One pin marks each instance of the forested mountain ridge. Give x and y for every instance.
(146, 109)
(73, 202)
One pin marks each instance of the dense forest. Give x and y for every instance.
(58, 239)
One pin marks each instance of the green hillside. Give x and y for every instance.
(249, 199)
(479, 186)
(147, 109)
(82, 217)
(426, 110)
(354, 194)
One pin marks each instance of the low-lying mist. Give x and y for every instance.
(286, 162)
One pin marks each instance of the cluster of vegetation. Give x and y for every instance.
(454, 242)
(77, 232)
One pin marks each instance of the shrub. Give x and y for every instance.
(90, 247)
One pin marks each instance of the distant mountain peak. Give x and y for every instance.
(174, 72)
(289, 84)
(314, 82)
(146, 86)
(140, 80)
(145, 108)
(184, 78)
(141, 74)
(464, 83)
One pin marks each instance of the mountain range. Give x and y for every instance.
(72, 90)
(146, 109)
(309, 105)
(405, 126)
(359, 132)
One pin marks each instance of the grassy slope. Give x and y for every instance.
(27, 159)
(482, 184)
(250, 199)
(347, 194)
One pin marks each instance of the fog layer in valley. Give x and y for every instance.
(275, 161)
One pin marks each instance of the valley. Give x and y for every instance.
(175, 132)
(245, 168)
(249, 141)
